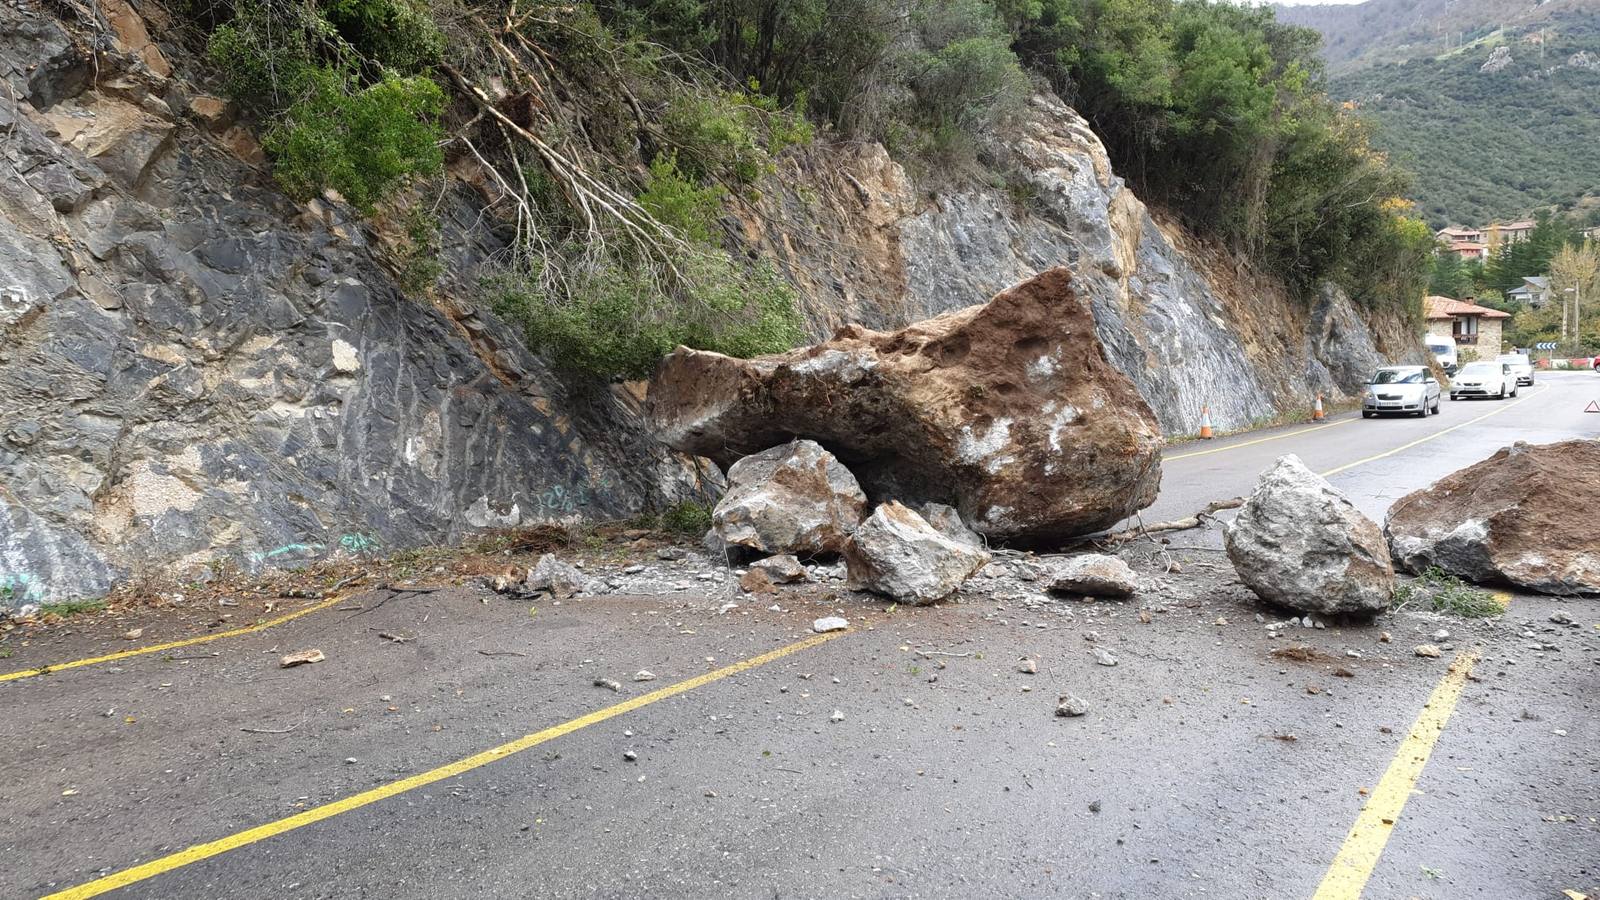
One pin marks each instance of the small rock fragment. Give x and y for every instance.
(608, 683)
(1028, 667)
(1560, 617)
(304, 657)
(1070, 705)
(757, 581)
(1095, 574)
(671, 553)
(1441, 636)
(132, 634)
(829, 623)
(836, 717)
(629, 755)
(1385, 638)
(1144, 617)
(644, 675)
(1104, 657)
(1429, 650)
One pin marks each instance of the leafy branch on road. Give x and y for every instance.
(1445, 593)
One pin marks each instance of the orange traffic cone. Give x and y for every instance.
(1317, 414)
(1205, 423)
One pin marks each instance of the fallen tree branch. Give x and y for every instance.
(1184, 524)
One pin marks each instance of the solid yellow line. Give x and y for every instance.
(173, 645)
(1276, 437)
(1423, 440)
(1353, 866)
(271, 829)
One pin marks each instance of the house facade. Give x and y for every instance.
(1534, 292)
(1475, 329)
(1508, 233)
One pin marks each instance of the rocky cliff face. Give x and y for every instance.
(192, 367)
(1176, 318)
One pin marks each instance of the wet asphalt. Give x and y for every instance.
(1204, 768)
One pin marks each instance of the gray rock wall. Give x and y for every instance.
(192, 368)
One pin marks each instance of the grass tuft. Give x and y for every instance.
(1442, 592)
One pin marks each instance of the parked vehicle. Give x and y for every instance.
(1410, 390)
(1521, 366)
(1444, 352)
(1484, 379)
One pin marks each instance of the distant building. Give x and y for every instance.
(1454, 234)
(1534, 292)
(1472, 327)
(1508, 233)
(1466, 243)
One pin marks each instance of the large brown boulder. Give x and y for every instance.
(1007, 411)
(1525, 517)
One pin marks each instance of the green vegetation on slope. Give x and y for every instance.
(616, 131)
(1492, 145)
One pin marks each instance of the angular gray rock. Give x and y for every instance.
(1300, 543)
(781, 569)
(557, 578)
(793, 498)
(947, 521)
(897, 553)
(1525, 516)
(1093, 574)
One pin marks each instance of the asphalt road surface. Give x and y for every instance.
(906, 757)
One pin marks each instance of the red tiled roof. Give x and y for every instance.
(1446, 308)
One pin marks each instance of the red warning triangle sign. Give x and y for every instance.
(1594, 406)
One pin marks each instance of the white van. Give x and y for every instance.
(1443, 350)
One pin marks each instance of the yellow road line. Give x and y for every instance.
(1437, 434)
(173, 645)
(1276, 437)
(1353, 866)
(261, 832)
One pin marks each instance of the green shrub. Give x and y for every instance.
(687, 518)
(332, 80)
(363, 143)
(615, 320)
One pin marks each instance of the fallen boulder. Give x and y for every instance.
(792, 498)
(1095, 575)
(1008, 411)
(897, 553)
(781, 569)
(560, 580)
(1524, 517)
(1300, 543)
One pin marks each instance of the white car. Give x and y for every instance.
(1444, 352)
(1484, 379)
(1521, 366)
(1411, 390)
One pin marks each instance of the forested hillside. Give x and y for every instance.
(1356, 35)
(1498, 126)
